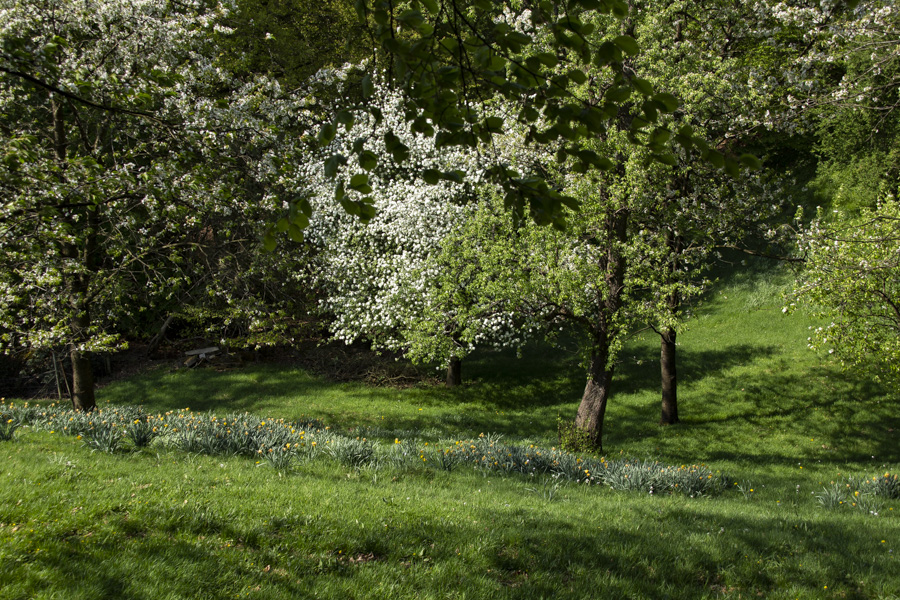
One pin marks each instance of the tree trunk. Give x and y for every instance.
(77, 282)
(667, 353)
(454, 372)
(82, 381)
(82, 370)
(158, 338)
(592, 409)
(669, 380)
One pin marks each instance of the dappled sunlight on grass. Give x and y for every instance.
(789, 431)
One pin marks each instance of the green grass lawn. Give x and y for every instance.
(755, 405)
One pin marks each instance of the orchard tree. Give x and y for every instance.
(291, 40)
(129, 160)
(582, 116)
(379, 240)
(845, 91)
(450, 56)
(850, 282)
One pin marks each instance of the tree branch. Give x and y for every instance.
(76, 98)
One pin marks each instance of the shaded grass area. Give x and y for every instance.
(755, 404)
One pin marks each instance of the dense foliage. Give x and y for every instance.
(146, 149)
(137, 177)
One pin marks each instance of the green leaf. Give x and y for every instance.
(431, 6)
(411, 18)
(360, 183)
(350, 207)
(666, 158)
(368, 160)
(751, 162)
(282, 225)
(269, 242)
(494, 124)
(570, 202)
(431, 176)
(590, 157)
(650, 109)
(305, 207)
(456, 176)
(627, 44)
(301, 221)
(366, 212)
(668, 101)
(715, 158)
(638, 123)
(607, 53)
(332, 163)
(548, 59)
(519, 38)
(400, 153)
(594, 120)
(326, 134)
(345, 118)
(732, 167)
(391, 140)
(339, 192)
(660, 136)
(295, 233)
(618, 94)
(368, 88)
(577, 76)
(644, 87)
(360, 7)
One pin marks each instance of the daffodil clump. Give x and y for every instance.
(280, 444)
(860, 492)
(8, 426)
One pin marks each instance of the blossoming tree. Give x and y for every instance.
(132, 169)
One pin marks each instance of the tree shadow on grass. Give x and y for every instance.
(524, 397)
(253, 389)
(645, 548)
(817, 413)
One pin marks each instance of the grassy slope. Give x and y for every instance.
(755, 404)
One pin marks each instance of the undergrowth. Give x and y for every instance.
(281, 444)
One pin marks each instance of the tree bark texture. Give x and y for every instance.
(592, 410)
(454, 372)
(669, 380)
(668, 352)
(82, 381)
